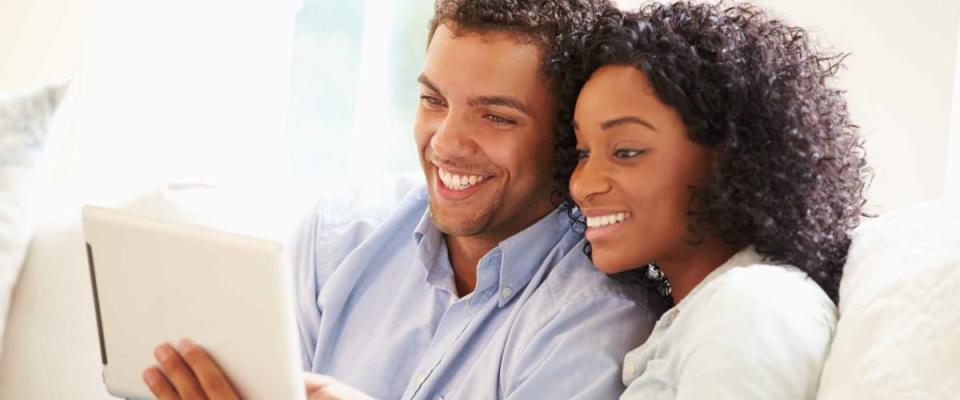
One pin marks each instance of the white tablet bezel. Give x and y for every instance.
(158, 281)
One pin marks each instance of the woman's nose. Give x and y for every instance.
(589, 179)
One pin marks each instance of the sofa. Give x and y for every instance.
(898, 336)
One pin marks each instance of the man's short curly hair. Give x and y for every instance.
(791, 170)
(537, 21)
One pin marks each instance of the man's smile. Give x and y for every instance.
(458, 181)
(458, 185)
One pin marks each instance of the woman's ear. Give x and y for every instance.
(714, 160)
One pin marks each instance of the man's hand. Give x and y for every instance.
(187, 372)
(323, 387)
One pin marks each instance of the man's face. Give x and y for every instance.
(484, 131)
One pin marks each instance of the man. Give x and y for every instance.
(474, 285)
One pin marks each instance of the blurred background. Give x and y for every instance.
(301, 90)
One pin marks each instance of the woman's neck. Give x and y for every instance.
(693, 263)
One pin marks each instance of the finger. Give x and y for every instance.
(324, 387)
(178, 373)
(317, 381)
(159, 385)
(208, 372)
(317, 385)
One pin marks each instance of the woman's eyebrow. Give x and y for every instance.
(625, 120)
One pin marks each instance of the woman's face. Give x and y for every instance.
(635, 172)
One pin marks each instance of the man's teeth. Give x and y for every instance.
(459, 182)
(596, 222)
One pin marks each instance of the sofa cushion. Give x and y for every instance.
(899, 309)
(24, 121)
(51, 348)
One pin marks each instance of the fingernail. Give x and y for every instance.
(163, 352)
(150, 376)
(185, 344)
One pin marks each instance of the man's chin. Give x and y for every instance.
(456, 223)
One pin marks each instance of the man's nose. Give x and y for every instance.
(589, 180)
(453, 138)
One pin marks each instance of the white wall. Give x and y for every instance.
(899, 76)
(174, 90)
(184, 90)
(952, 186)
(40, 40)
(900, 84)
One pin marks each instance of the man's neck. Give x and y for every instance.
(465, 254)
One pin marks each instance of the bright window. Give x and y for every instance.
(353, 93)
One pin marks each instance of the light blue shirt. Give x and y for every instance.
(378, 308)
(749, 330)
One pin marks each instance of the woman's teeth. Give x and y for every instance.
(458, 182)
(596, 222)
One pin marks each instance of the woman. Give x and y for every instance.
(710, 145)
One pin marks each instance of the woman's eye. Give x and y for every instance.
(433, 101)
(626, 153)
(582, 154)
(496, 119)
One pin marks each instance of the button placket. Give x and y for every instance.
(451, 327)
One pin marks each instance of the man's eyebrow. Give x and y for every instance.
(423, 80)
(626, 120)
(503, 101)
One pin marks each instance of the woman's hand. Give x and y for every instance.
(187, 372)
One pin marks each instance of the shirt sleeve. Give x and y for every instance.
(318, 246)
(577, 354)
(757, 341)
(302, 256)
(344, 216)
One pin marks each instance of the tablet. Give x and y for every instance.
(157, 281)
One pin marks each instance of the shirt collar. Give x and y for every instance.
(425, 228)
(746, 256)
(507, 268)
(523, 253)
(430, 246)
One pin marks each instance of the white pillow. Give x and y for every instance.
(898, 336)
(24, 119)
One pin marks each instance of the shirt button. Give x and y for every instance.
(506, 292)
(421, 377)
(630, 369)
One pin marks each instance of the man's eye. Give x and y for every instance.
(627, 153)
(433, 101)
(496, 119)
(582, 154)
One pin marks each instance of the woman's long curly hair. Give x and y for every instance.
(791, 175)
